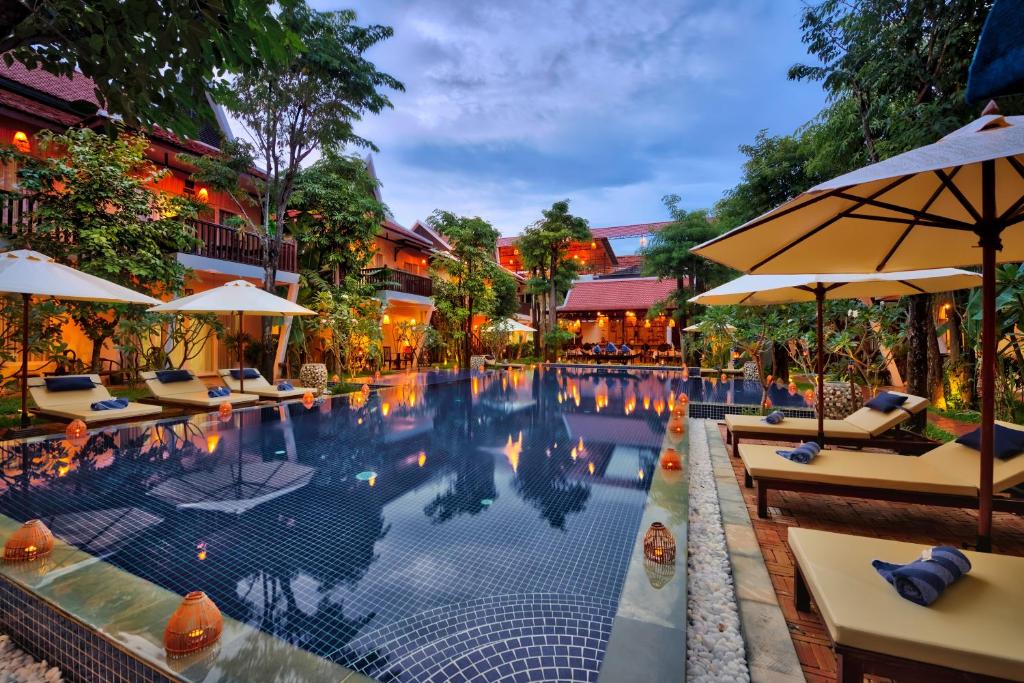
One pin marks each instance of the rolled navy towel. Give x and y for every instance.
(218, 392)
(110, 404)
(802, 454)
(285, 386)
(774, 417)
(923, 580)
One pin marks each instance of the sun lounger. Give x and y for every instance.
(191, 393)
(973, 632)
(866, 427)
(947, 475)
(77, 404)
(261, 387)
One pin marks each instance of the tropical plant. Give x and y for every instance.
(351, 327)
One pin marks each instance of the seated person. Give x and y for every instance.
(611, 348)
(625, 350)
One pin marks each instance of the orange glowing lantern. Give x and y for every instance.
(203, 195)
(792, 389)
(195, 625)
(724, 378)
(76, 432)
(671, 322)
(212, 440)
(647, 322)
(768, 403)
(659, 545)
(20, 142)
(809, 396)
(670, 460)
(335, 378)
(365, 391)
(30, 541)
(677, 425)
(225, 410)
(308, 400)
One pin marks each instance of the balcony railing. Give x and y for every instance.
(231, 244)
(398, 281)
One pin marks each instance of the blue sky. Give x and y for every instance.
(611, 104)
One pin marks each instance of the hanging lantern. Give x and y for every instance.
(20, 142)
(195, 625)
(659, 546)
(670, 459)
(308, 400)
(76, 432)
(224, 410)
(33, 539)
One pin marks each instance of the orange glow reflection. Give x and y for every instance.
(513, 450)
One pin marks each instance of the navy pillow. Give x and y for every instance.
(250, 373)
(169, 376)
(886, 402)
(1008, 442)
(72, 383)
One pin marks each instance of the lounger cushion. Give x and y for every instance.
(1008, 442)
(975, 626)
(799, 427)
(84, 412)
(886, 402)
(965, 463)
(70, 383)
(867, 469)
(171, 376)
(875, 422)
(248, 373)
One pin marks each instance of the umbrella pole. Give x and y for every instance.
(819, 299)
(26, 304)
(988, 372)
(241, 368)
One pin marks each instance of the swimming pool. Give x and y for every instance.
(479, 528)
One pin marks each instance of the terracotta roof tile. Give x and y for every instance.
(610, 233)
(617, 294)
(78, 87)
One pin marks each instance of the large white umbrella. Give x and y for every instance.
(31, 273)
(761, 290)
(237, 296)
(511, 325)
(956, 202)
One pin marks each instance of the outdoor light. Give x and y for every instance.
(212, 440)
(195, 625)
(422, 459)
(423, 262)
(224, 410)
(308, 400)
(365, 391)
(659, 546)
(724, 378)
(672, 322)
(386, 320)
(385, 408)
(335, 378)
(203, 195)
(33, 539)
(670, 459)
(647, 322)
(677, 425)
(20, 142)
(792, 388)
(593, 244)
(76, 431)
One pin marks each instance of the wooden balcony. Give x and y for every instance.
(398, 281)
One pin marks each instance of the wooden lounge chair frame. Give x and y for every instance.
(74, 405)
(192, 398)
(261, 387)
(895, 439)
(854, 663)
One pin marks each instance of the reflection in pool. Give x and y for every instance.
(409, 534)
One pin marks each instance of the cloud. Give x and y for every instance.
(511, 105)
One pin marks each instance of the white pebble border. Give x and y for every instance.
(714, 643)
(19, 667)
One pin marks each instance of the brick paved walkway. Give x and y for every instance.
(915, 523)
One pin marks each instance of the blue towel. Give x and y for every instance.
(218, 392)
(802, 454)
(774, 417)
(285, 386)
(110, 404)
(923, 580)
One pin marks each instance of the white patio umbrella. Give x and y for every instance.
(695, 328)
(511, 325)
(31, 273)
(237, 296)
(761, 290)
(956, 202)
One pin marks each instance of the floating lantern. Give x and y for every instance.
(194, 626)
(308, 400)
(659, 545)
(670, 460)
(225, 410)
(76, 431)
(33, 539)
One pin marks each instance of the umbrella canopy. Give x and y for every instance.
(237, 296)
(760, 290)
(513, 325)
(956, 202)
(694, 328)
(30, 273)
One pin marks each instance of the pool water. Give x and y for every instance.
(475, 527)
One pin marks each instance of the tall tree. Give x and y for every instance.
(462, 281)
(544, 248)
(151, 60)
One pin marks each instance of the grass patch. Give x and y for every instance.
(971, 416)
(938, 434)
(339, 388)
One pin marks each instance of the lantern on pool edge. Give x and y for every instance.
(76, 432)
(670, 459)
(676, 425)
(195, 625)
(30, 541)
(224, 410)
(308, 400)
(659, 545)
